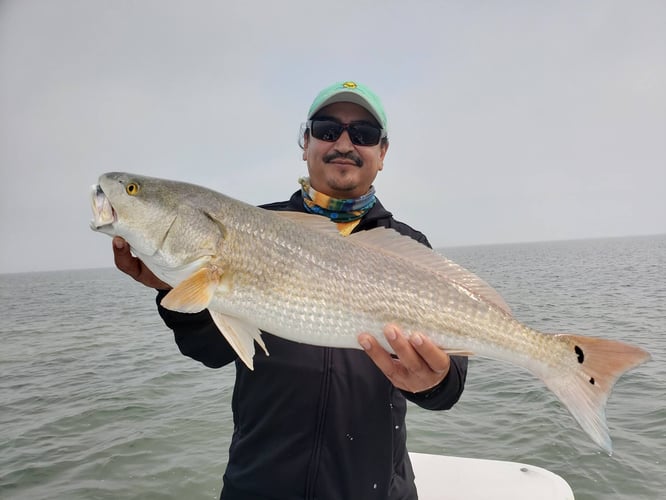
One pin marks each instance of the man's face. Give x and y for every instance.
(342, 169)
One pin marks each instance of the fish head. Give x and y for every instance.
(165, 222)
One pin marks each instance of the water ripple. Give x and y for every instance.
(97, 402)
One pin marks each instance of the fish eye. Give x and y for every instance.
(132, 189)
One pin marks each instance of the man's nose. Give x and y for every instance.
(344, 143)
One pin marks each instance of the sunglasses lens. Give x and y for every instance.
(326, 130)
(364, 135)
(360, 134)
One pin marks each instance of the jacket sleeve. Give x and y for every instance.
(197, 336)
(444, 395)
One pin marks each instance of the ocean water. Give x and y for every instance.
(96, 402)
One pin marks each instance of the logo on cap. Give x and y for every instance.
(349, 85)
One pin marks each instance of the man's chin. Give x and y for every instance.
(344, 165)
(342, 190)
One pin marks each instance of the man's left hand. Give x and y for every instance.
(420, 364)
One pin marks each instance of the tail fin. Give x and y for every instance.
(585, 390)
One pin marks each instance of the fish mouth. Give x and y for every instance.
(103, 212)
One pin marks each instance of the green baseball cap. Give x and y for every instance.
(350, 91)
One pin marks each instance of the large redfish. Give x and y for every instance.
(295, 276)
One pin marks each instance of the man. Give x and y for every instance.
(316, 422)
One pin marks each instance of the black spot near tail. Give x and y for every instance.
(592, 380)
(580, 354)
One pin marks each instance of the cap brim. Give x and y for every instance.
(348, 97)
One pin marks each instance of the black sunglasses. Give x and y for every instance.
(360, 133)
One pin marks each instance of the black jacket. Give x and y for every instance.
(314, 422)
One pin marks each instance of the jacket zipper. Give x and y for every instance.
(313, 468)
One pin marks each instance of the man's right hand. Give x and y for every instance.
(132, 266)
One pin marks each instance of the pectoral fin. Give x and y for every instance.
(240, 336)
(195, 292)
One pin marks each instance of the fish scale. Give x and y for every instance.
(295, 276)
(390, 301)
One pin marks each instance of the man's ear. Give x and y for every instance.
(383, 149)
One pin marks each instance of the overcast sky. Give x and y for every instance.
(509, 121)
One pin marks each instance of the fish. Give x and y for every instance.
(294, 275)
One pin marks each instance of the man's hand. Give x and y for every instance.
(129, 264)
(420, 365)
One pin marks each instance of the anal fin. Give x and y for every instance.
(457, 352)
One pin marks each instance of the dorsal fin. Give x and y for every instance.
(393, 243)
(311, 221)
(390, 241)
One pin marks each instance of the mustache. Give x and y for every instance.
(347, 156)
